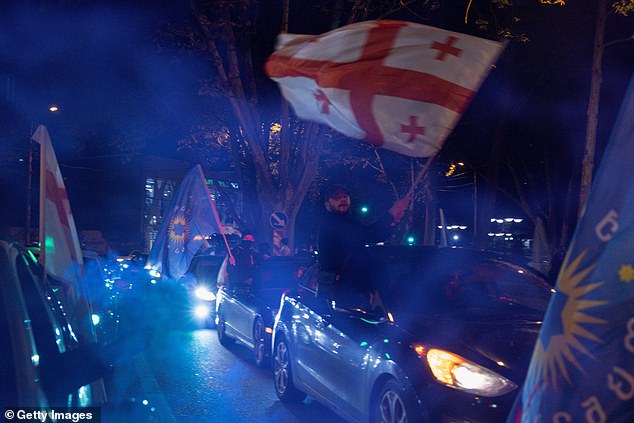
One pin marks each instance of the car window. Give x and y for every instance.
(50, 326)
(308, 277)
(358, 301)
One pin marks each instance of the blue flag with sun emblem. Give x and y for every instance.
(192, 216)
(582, 368)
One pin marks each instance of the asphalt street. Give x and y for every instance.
(187, 376)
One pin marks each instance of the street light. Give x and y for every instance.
(475, 199)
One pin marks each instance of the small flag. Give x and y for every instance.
(582, 368)
(398, 85)
(191, 218)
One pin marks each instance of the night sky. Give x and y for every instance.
(99, 61)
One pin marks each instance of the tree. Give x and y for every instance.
(619, 7)
(546, 198)
(275, 155)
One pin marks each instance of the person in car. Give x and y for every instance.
(340, 234)
(242, 271)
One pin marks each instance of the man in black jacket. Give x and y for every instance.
(241, 273)
(340, 234)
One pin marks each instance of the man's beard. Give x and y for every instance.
(342, 209)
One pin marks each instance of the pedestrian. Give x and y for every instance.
(283, 249)
(340, 234)
(242, 271)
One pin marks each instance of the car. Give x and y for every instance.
(201, 283)
(40, 347)
(246, 313)
(418, 334)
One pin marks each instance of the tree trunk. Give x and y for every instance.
(540, 248)
(587, 166)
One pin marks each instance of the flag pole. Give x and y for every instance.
(42, 223)
(420, 175)
(213, 208)
(29, 188)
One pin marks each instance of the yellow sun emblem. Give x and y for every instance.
(560, 341)
(178, 230)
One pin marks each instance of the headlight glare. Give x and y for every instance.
(201, 311)
(154, 273)
(203, 293)
(459, 373)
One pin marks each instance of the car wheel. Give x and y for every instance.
(282, 376)
(259, 343)
(394, 405)
(221, 329)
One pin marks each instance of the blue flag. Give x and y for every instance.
(582, 368)
(192, 216)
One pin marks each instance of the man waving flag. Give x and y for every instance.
(398, 85)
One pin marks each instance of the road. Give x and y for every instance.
(187, 376)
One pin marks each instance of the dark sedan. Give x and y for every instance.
(246, 313)
(411, 334)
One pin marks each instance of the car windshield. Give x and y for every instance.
(458, 286)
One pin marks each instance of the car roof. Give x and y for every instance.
(377, 256)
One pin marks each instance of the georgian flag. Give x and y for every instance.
(60, 252)
(398, 85)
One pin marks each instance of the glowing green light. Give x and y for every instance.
(32, 256)
(49, 244)
(388, 356)
(410, 240)
(363, 344)
(364, 209)
(386, 340)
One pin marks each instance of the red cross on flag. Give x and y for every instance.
(60, 252)
(398, 85)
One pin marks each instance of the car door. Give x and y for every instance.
(227, 309)
(345, 352)
(308, 314)
(243, 314)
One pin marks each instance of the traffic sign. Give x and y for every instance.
(279, 220)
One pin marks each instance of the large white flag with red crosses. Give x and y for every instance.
(398, 85)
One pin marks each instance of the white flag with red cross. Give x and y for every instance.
(399, 85)
(60, 251)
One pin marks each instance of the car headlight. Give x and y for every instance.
(202, 312)
(459, 373)
(203, 293)
(154, 273)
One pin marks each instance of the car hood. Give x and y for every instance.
(505, 345)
